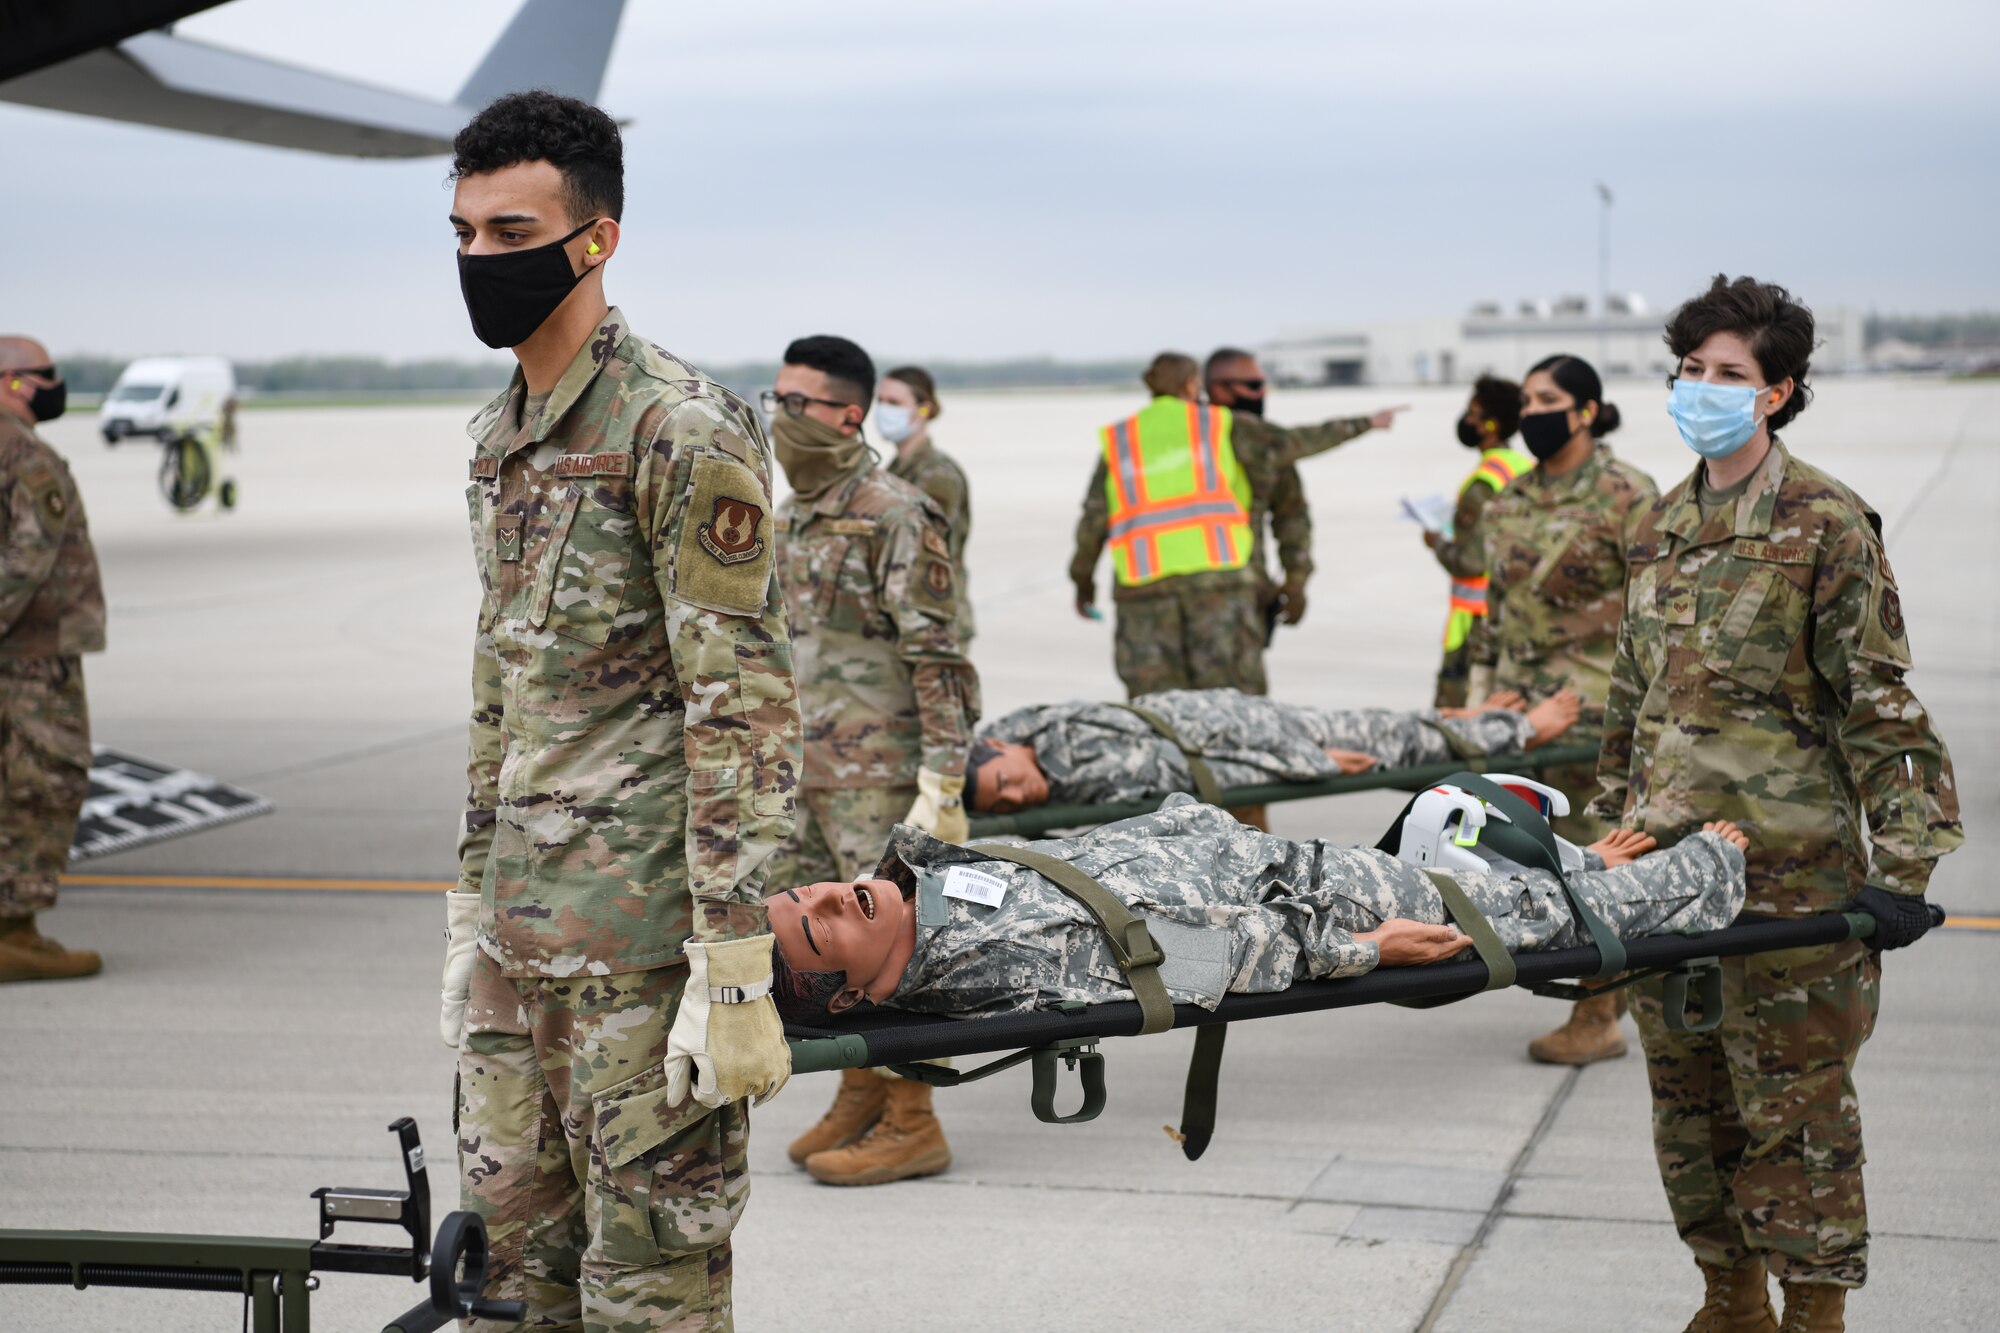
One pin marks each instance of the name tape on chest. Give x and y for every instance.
(1751, 549)
(594, 465)
(849, 527)
(974, 886)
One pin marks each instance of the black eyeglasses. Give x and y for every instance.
(1253, 386)
(45, 372)
(795, 403)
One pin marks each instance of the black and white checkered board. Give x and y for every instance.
(136, 801)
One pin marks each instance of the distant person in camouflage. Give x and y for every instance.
(1488, 422)
(1280, 518)
(1555, 553)
(868, 571)
(944, 929)
(1081, 753)
(906, 403)
(1760, 678)
(1172, 493)
(51, 613)
(635, 748)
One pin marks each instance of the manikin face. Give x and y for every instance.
(1012, 782)
(847, 928)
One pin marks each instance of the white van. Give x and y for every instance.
(157, 394)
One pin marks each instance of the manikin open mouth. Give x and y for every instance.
(867, 901)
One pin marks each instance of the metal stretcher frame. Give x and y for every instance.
(886, 1037)
(1047, 818)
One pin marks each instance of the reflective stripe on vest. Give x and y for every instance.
(1177, 496)
(1497, 468)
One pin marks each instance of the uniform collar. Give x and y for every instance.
(576, 379)
(1579, 478)
(1751, 516)
(902, 462)
(834, 498)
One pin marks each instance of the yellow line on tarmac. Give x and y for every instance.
(256, 882)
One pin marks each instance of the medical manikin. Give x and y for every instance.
(943, 929)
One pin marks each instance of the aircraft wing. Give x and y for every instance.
(175, 83)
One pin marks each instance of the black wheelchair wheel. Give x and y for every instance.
(184, 473)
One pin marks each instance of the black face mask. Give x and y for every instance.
(509, 296)
(1469, 435)
(1545, 433)
(48, 401)
(1249, 407)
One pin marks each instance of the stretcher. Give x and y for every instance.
(1069, 1035)
(1049, 818)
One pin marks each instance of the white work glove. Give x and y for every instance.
(940, 807)
(461, 942)
(727, 1036)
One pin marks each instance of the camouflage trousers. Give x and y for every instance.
(1453, 674)
(1756, 1125)
(44, 776)
(1206, 637)
(841, 834)
(608, 1207)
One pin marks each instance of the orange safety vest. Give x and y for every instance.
(1179, 501)
(1497, 468)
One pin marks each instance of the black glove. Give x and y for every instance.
(1900, 918)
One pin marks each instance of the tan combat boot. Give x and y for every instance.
(907, 1141)
(1814, 1307)
(1590, 1035)
(855, 1108)
(1739, 1301)
(26, 955)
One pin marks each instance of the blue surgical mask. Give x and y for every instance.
(1715, 419)
(896, 423)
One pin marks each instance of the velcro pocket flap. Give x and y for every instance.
(1197, 960)
(637, 1116)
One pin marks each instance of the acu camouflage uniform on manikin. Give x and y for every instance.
(1206, 630)
(1759, 679)
(1240, 911)
(51, 613)
(635, 750)
(1098, 754)
(869, 579)
(1555, 552)
(938, 475)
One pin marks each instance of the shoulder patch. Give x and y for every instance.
(723, 561)
(485, 469)
(1749, 548)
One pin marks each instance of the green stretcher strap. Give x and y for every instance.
(1204, 1077)
(1500, 969)
(1531, 841)
(1205, 785)
(1131, 943)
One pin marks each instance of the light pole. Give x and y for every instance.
(1603, 270)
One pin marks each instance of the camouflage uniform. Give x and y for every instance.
(51, 613)
(1555, 550)
(1759, 679)
(1285, 911)
(1282, 520)
(938, 475)
(635, 749)
(1462, 553)
(867, 571)
(1201, 631)
(1094, 754)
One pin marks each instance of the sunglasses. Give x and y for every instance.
(1253, 386)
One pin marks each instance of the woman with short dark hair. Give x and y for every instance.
(1555, 558)
(1759, 679)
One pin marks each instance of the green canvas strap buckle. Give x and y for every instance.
(1131, 943)
(1704, 973)
(1078, 1053)
(1198, 1100)
(1205, 785)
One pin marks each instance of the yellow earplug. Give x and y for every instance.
(593, 249)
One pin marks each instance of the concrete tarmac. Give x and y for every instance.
(1374, 1169)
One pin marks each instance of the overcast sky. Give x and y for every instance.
(1082, 178)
